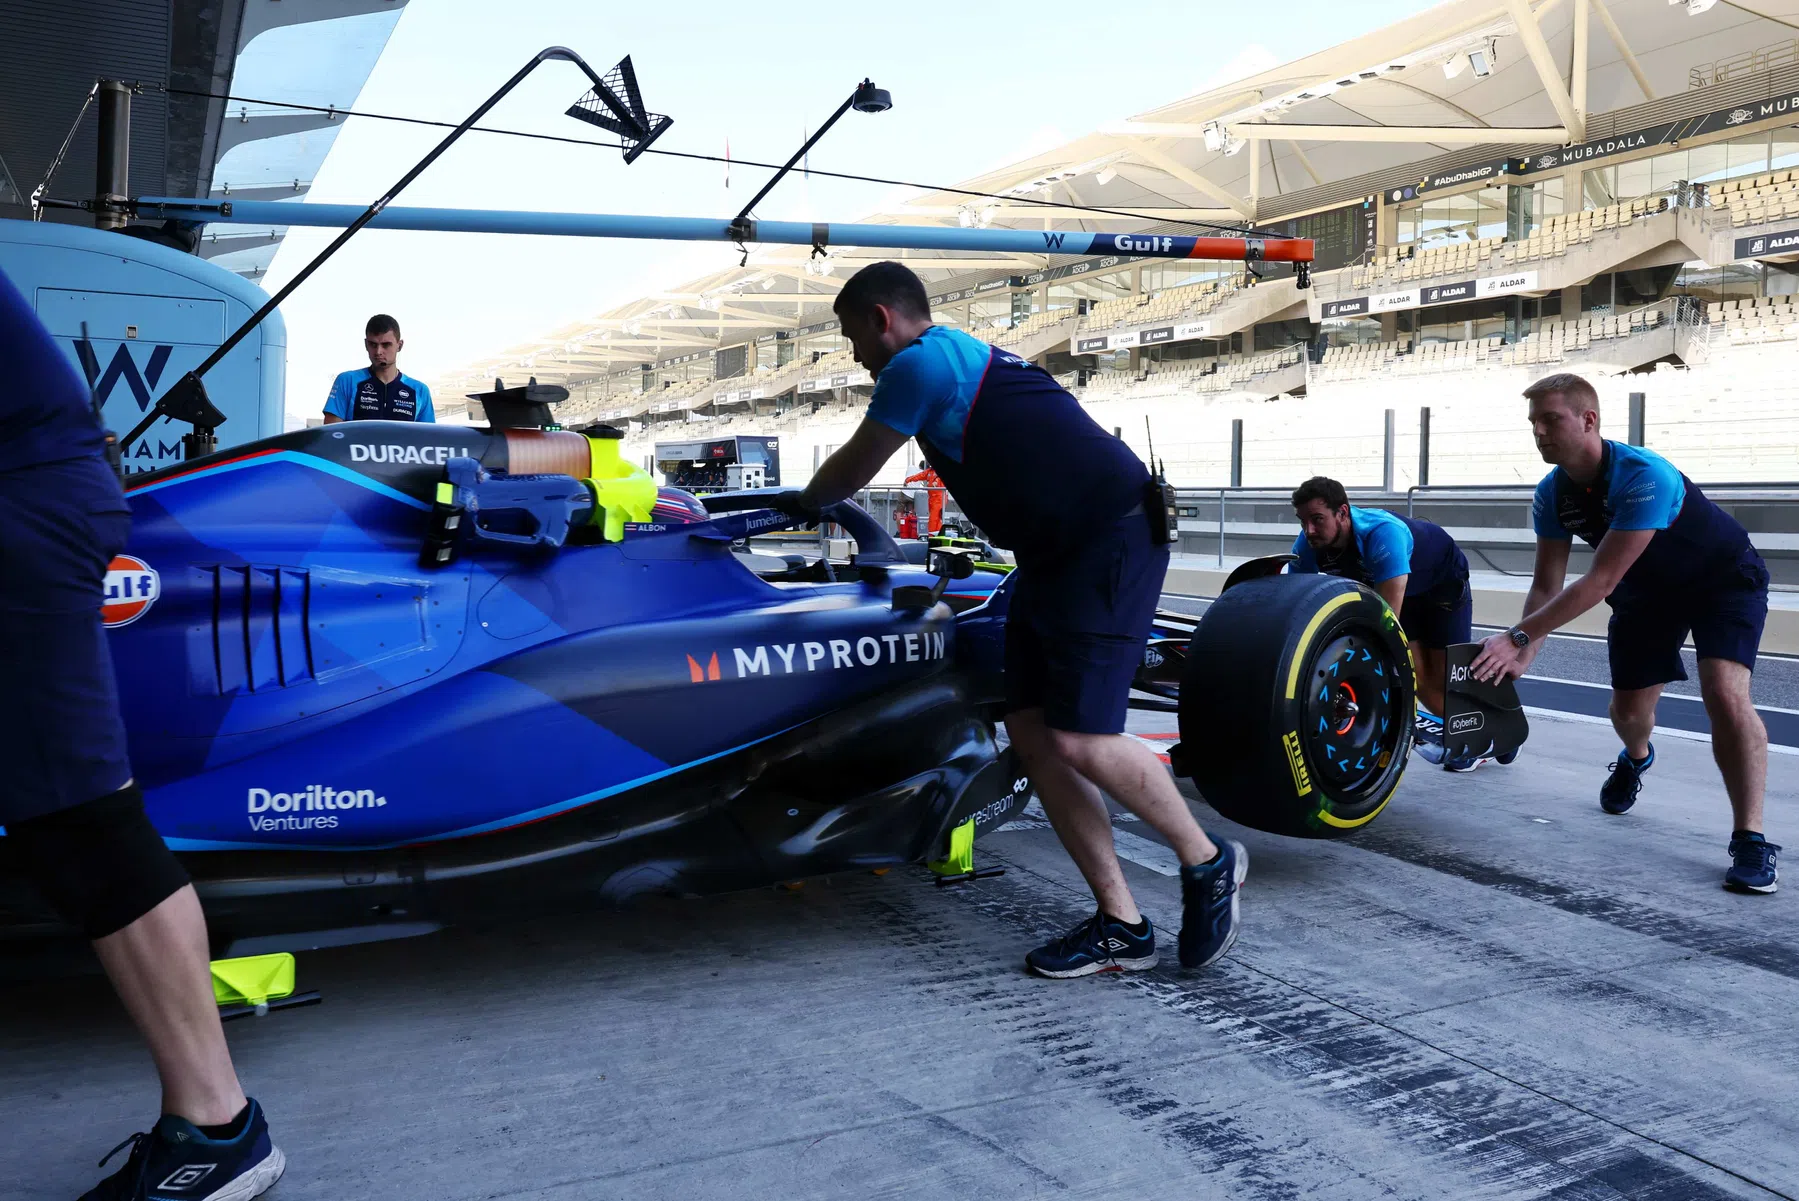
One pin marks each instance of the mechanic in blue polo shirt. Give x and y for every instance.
(379, 392)
(1669, 562)
(1418, 570)
(74, 819)
(1041, 478)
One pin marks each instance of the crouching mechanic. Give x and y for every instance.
(1033, 470)
(1418, 570)
(1668, 561)
(74, 819)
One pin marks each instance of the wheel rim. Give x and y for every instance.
(1353, 727)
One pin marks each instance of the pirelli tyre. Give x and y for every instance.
(1296, 705)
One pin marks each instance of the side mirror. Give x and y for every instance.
(946, 566)
(950, 566)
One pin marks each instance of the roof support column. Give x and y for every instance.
(1617, 36)
(1544, 62)
(1577, 72)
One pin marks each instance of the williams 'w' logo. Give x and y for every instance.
(124, 367)
(1053, 241)
(699, 674)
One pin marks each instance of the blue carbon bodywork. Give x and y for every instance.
(302, 683)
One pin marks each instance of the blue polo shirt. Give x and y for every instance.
(1637, 489)
(1383, 545)
(359, 396)
(46, 412)
(1020, 455)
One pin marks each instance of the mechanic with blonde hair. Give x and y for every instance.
(1669, 562)
(1041, 478)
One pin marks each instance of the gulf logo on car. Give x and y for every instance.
(132, 586)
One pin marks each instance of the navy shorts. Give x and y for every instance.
(62, 741)
(1077, 624)
(1646, 631)
(1443, 616)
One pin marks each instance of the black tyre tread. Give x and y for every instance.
(1234, 711)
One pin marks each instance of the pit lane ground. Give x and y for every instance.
(1496, 991)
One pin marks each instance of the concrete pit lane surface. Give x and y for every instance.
(1495, 991)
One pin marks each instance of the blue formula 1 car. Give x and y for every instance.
(381, 672)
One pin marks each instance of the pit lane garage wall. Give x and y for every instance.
(151, 313)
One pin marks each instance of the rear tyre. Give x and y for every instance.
(1296, 705)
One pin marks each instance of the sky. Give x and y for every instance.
(974, 86)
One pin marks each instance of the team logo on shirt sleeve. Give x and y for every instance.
(132, 586)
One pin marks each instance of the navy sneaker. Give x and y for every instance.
(1209, 905)
(175, 1162)
(1751, 864)
(1427, 735)
(1619, 792)
(1466, 764)
(1099, 944)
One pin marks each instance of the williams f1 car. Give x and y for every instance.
(381, 672)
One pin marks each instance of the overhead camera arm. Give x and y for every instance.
(867, 98)
(187, 400)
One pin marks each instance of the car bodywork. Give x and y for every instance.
(332, 733)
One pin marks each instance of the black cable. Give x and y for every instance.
(740, 162)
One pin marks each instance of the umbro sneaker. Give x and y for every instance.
(1619, 792)
(1099, 944)
(1751, 864)
(1209, 905)
(176, 1162)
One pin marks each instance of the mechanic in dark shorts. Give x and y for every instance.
(1418, 570)
(1669, 562)
(74, 819)
(1033, 470)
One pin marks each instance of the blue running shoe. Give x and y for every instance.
(1099, 944)
(1619, 792)
(1209, 905)
(176, 1162)
(1427, 735)
(1751, 864)
(1466, 764)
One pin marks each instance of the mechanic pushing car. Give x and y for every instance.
(1668, 561)
(379, 392)
(74, 819)
(1074, 505)
(1418, 570)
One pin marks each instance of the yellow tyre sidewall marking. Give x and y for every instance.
(1299, 653)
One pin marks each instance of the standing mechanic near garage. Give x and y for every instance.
(1032, 469)
(1668, 561)
(379, 392)
(74, 818)
(1418, 570)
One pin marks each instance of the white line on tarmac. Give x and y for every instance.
(1136, 848)
(1659, 732)
(1673, 696)
(1140, 850)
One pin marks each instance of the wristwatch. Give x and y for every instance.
(1519, 638)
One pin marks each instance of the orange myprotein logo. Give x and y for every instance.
(132, 586)
(699, 674)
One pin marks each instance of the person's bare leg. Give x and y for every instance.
(1076, 812)
(1133, 776)
(1633, 716)
(1430, 666)
(159, 966)
(1739, 739)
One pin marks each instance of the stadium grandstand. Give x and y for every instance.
(1497, 190)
